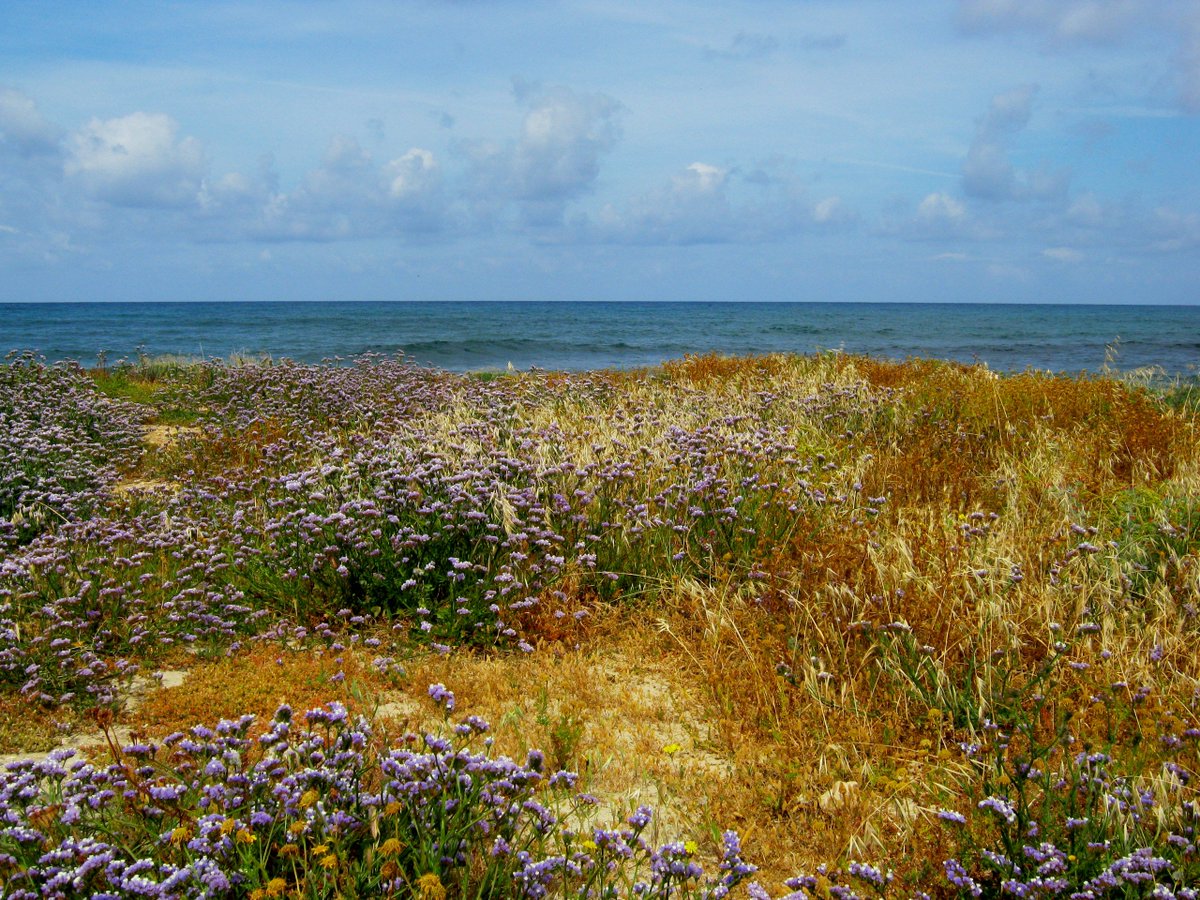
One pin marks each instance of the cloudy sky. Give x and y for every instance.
(996, 150)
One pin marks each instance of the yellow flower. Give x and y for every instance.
(589, 844)
(289, 850)
(690, 847)
(671, 749)
(320, 848)
(276, 886)
(430, 887)
(180, 834)
(246, 837)
(257, 894)
(227, 826)
(298, 827)
(308, 798)
(391, 809)
(329, 862)
(391, 847)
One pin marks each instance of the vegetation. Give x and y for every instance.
(909, 629)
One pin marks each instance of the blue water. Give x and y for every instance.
(467, 336)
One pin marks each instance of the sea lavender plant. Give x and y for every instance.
(319, 808)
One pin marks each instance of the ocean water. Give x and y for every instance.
(575, 336)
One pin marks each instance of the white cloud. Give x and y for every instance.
(700, 178)
(136, 160)
(705, 203)
(350, 195)
(941, 208)
(231, 187)
(23, 127)
(562, 139)
(556, 158)
(939, 216)
(412, 175)
(693, 209)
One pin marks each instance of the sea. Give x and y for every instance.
(472, 336)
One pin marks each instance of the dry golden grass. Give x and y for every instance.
(258, 681)
(27, 728)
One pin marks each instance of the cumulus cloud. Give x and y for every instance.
(236, 205)
(556, 158)
(940, 209)
(694, 208)
(352, 195)
(938, 216)
(412, 175)
(136, 160)
(144, 161)
(707, 204)
(562, 139)
(22, 126)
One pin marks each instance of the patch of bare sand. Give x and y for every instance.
(168, 435)
(627, 722)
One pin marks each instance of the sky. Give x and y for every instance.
(779, 150)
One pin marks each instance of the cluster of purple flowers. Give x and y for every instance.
(213, 813)
(1076, 826)
(61, 444)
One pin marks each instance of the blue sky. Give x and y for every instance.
(981, 150)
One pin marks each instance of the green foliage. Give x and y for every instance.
(1157, 540)
(980, 687)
